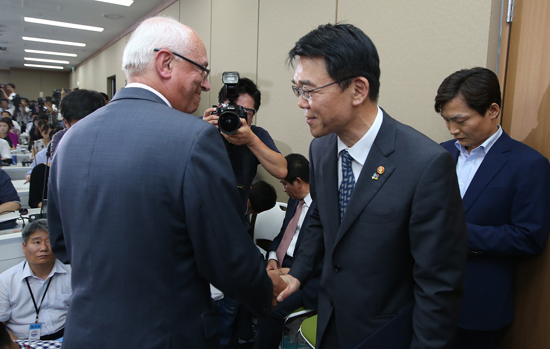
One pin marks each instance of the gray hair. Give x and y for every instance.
(33, 227)
(155, 32)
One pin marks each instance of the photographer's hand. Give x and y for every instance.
(244, 135)
(213, 119)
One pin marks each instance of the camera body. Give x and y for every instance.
(231, 113)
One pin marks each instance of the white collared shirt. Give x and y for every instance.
(292, 247)
(149, 88)
(16, 306)
(468, 163)
(360, 150)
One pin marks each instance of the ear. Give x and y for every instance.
(493, 111)
(66, 123)
(298, 182)
(361, 88)
(163, 63)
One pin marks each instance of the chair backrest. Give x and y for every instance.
(308, 330)
(268, 223)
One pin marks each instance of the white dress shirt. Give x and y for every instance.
(360, 150)
(468, 163)
(16, 306)
(292, 247)
(5, 150)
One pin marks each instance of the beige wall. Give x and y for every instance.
(29, 83)
(419, 45)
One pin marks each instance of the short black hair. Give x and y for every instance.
(11, 85)
(5, 340)
(77, 104)
(297, 166)
(348, 52)
(245, 86)
(262, 196)
(4, 99)
(479, 87)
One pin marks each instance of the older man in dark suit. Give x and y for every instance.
(146, 211)
(389, 220)
(505, 186)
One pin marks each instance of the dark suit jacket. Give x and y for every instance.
(507, 208)
(142, 203)
(310, 290)
(403, 238)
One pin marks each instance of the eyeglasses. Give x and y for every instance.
(250, 112)
(204, 69)
(306, 93)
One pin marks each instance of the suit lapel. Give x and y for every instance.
(366, 186)
(491, 165)
(327, 181)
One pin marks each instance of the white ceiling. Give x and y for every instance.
(87, 12)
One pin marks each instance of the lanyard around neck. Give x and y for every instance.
(37, 308)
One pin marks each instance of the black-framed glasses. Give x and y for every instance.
(204, 69)
(250, 112)
(306, 93)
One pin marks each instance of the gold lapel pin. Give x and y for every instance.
(380, 170)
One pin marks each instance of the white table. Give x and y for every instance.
(16, 171)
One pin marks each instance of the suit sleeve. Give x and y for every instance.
(224, 253)
(525, 210)
(438, 244)
(55, 227)
(312, 247)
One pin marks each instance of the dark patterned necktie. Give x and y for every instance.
(348, 182)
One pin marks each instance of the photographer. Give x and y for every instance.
(250, 145)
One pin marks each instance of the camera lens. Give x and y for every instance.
(229, 122)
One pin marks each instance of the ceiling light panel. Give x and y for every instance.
(46, 60)
(58, 42)
(51, 53)
(43, 66)
(63, 24)
(118, 2)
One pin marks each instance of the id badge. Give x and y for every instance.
(34, 332)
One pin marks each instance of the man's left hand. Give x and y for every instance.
(244, 135)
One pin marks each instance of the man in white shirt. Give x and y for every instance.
(5, 151)
(35, 294)
(284, 249)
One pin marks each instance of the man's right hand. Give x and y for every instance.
(278, 286)
(272, 265)
(213, 119)
(293, 285)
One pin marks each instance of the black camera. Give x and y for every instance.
(230, 113)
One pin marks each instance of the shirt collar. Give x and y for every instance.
(360, 150)
(485, 146)
(27, 271)
(308, 200)
(149, 88)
